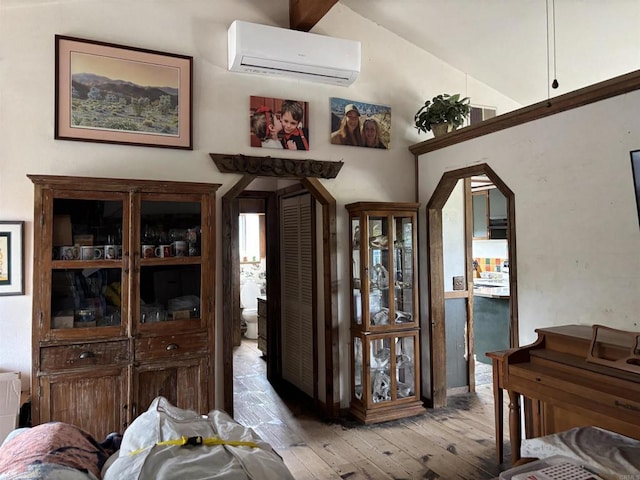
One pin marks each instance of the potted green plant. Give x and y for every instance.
(443, 113)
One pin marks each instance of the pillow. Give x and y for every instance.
(53, 450)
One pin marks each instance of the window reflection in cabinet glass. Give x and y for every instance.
(86, 298)
(170, 292)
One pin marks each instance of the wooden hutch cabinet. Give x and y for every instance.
(385, 355)
(123, 306)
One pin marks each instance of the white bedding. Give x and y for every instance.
(141, 458)
(610, 454)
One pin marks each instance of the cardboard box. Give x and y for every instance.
(62, 234)
(10, 386)
(83, 240)
(62, 321)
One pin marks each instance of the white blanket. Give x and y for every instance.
(610, 454)
(141, 458)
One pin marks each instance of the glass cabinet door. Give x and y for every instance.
(392, 362)
(87, 262)
(378, 268)
(403, 274)
(405, 385)
(169, 251)
(380, 361)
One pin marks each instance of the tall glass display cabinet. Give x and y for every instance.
(123, 283)
(385, 354)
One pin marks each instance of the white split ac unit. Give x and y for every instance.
(267, 50)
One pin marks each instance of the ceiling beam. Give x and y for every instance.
(304, 14)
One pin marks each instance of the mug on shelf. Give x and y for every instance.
(180, 248)
(148, 251)
(68, 252)
(163, 251)
(89, 252)
(111, 252)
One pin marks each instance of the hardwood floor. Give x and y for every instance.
(456, 442)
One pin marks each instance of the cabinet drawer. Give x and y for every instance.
(168, 346)
(262, 307)
(262, 345)
(83, 355)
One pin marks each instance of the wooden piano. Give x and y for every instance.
(568, 379)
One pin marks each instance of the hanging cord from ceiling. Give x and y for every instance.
(555, 83)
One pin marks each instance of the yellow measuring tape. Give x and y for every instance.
(195, 441)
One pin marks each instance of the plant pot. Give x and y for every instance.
(439, 129)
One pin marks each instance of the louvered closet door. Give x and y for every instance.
(296, 243)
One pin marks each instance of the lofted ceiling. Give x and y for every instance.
(503, 43)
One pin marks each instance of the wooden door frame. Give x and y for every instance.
(308, 173)
(435, 267)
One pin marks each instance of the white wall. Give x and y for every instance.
(394, 73)
(454, 246)
(578, 241)
(490, 249)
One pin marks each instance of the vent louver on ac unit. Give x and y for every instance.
(261, 49)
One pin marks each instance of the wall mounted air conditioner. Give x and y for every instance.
(266, 50)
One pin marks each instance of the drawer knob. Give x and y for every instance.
(172, 346)
(86, 354)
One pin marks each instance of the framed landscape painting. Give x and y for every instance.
(11, 258)
(116, 94)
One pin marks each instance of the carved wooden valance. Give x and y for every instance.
(275, 167)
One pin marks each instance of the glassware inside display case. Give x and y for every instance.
(405, 361)
(378, 269)
(380, 370)
(403, 270)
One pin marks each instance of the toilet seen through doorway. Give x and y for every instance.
(249, 294)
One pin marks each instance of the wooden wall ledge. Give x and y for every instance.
(578, 98)
(276, 167)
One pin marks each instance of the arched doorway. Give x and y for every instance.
(436, 331)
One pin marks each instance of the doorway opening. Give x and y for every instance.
(446, 303)
(307, 172)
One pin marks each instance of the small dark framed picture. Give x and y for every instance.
(116, 94)
(635, 169)
(11, 258)
(360, 124)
